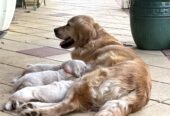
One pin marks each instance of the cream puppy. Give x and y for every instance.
(51, 93)
(67, 71)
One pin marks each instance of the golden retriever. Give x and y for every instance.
(119, 82)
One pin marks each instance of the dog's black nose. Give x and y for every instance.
(56, 31)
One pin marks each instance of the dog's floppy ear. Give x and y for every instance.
(84, 33)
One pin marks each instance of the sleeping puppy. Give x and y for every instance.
(51, 93)
(67, 71)
(119, 84)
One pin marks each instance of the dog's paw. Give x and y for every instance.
(12, 105)
(30, 112)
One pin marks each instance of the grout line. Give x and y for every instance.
(161, 82)
(162, 102)
(27, 55)
(158, 66)
(29, 34)
(22, 25)
(12, 65)
(6, 84)
(33, 44)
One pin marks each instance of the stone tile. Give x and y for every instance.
(47, 34)
(5, 114)
(27, 24)
(21, 37)
(160, 74)
(43, 52)
(166, 52)
(62, 57)
(81, 114)
(152, 52)
(26, 30)
(21, 60)
(15, 46)
(59, 14)
(160, 91)
(168, 57)
(5, 89)
(155, 60)
(55, 43)
(167, 102)
(4, 98)
(7, 73)
(155, 110)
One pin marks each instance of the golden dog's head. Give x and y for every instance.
(77, 32)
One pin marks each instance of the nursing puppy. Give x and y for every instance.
(66, 71)
(51, 93)
(119, 83)
(43, 67)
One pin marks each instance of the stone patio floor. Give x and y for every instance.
(30, 39)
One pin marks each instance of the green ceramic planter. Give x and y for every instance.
(150, 23)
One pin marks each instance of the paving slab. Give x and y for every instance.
(15, 46)
(21, 60)
(160, 91)
(43, 51)
(151, 52)
(48, 42)
(155, 110)
(4, 114)
(5, 89)
(7, 73)
(160, 74)
(26, 30)
(62, 57)
(167, 102)
(155, 60)
(81, 114)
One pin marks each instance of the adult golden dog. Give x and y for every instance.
(119, 82)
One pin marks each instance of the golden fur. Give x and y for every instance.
(119, 82)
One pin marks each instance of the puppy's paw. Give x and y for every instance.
(26, 106)
(12, 105)
(31, 112)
